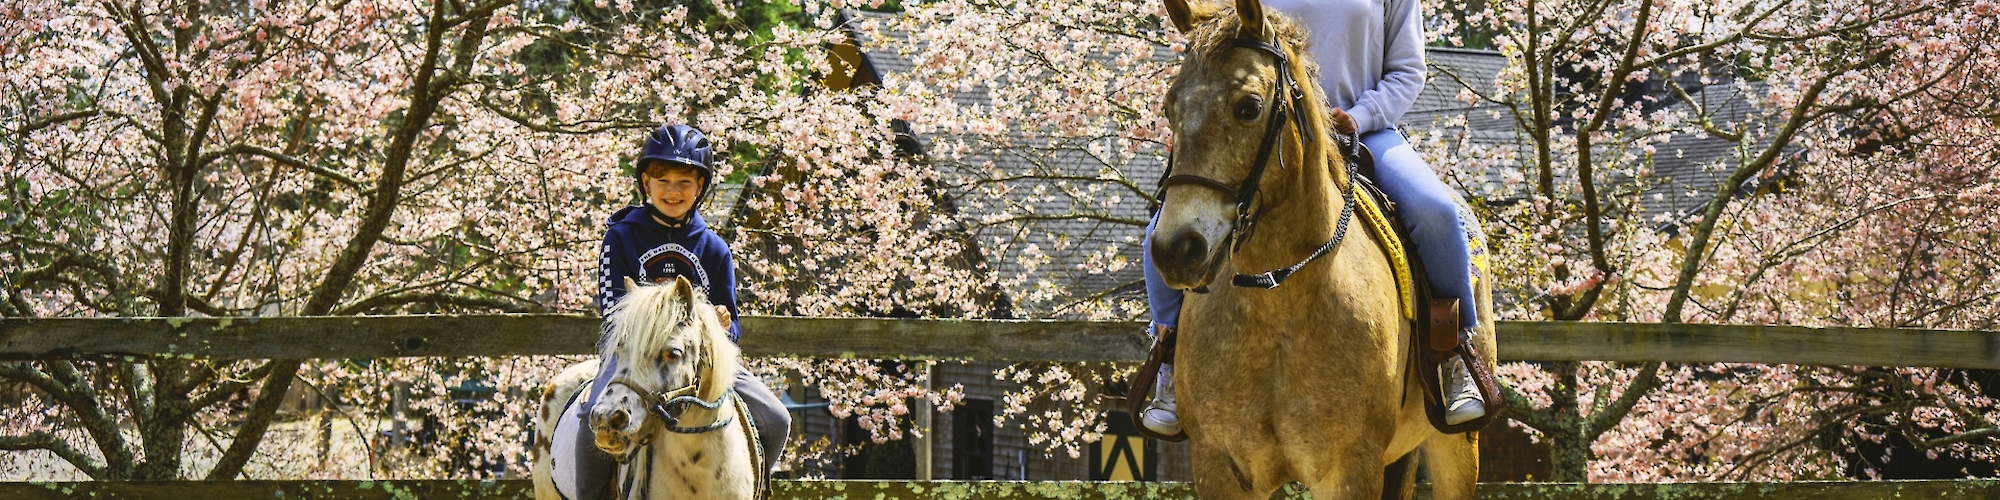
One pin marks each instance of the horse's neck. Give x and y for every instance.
(1304, 213)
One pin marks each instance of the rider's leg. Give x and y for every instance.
(1430, 213)
(773, 422)
(595, 469)
(1163, 415)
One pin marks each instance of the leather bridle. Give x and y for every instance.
(1288, 107)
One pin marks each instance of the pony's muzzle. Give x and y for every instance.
(615, 421)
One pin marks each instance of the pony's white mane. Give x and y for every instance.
(650, 317)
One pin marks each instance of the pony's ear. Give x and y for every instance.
(1252, 14)
(1184, 16)
(630, 285)
(685, 291)
(718, 364)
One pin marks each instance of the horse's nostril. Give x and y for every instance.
(1182, 248)
(617, 420)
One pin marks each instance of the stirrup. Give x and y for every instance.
(1464, 403)
(1138, 398)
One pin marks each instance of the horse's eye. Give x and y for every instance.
(674, 353)
(1249, 108)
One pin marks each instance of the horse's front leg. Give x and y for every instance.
(1451, 461)
(1351, 479)
(1221, 474)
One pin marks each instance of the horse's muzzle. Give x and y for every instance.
(1184, 258)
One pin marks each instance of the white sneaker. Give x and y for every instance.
(1161, 416)
(1462, 395)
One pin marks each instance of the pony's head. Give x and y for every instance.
(1232, 97)
(668, 341)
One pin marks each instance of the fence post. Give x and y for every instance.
(923, 442)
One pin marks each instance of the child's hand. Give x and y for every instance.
(723, 312)
(1342, 122)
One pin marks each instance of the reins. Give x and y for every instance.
(1288, 107)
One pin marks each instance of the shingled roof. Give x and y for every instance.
(1090, 216)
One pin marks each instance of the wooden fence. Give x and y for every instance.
(993, 340)
(990, 340)
(982, 490)
(519, 335)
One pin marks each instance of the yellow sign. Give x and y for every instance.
(1123, 454)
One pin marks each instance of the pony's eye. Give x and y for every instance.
(1249, 107)
(674, 353)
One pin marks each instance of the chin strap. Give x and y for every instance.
(670, 221)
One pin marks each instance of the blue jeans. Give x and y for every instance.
(1429, 212)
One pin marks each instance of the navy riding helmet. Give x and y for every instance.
(679, 144)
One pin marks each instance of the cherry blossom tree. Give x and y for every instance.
(1602, 92)
(258, 158)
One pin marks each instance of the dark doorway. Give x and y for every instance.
(972, 440)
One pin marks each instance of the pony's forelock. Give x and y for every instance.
(645, 322)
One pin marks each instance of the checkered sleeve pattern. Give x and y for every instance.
(610, 281)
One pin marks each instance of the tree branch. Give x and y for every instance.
(262, 412)
(227, 388)
(53, 120)
(282, 159)
(1038, 218)
(1607, 417)
(371, 304)
(47, 441)
(572, 128)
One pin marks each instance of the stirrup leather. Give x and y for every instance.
(1140, 396)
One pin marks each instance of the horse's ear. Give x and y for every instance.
(630, 285)
(1183, 16)
(1251, 12)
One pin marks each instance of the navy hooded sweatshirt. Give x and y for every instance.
(639, 247)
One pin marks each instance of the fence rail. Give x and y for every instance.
(981, 490)
(997, 340)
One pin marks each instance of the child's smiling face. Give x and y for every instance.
(672, 188)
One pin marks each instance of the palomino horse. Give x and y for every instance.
(1309, 382)
(669, 414)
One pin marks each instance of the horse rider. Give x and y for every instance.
(653, 242)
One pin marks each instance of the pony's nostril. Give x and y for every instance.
(617, 420)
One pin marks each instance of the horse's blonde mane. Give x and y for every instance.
(650, 317)
(1223, 26)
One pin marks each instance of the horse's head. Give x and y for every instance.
(1240, 109)
(670, 343)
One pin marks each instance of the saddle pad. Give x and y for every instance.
(563, 449)
(1392, 247)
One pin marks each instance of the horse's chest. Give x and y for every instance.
(704, 470)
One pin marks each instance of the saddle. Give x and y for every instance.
(1437, 336)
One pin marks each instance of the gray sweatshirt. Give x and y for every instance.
(1370, 54)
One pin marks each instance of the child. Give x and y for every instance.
(654, 242)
